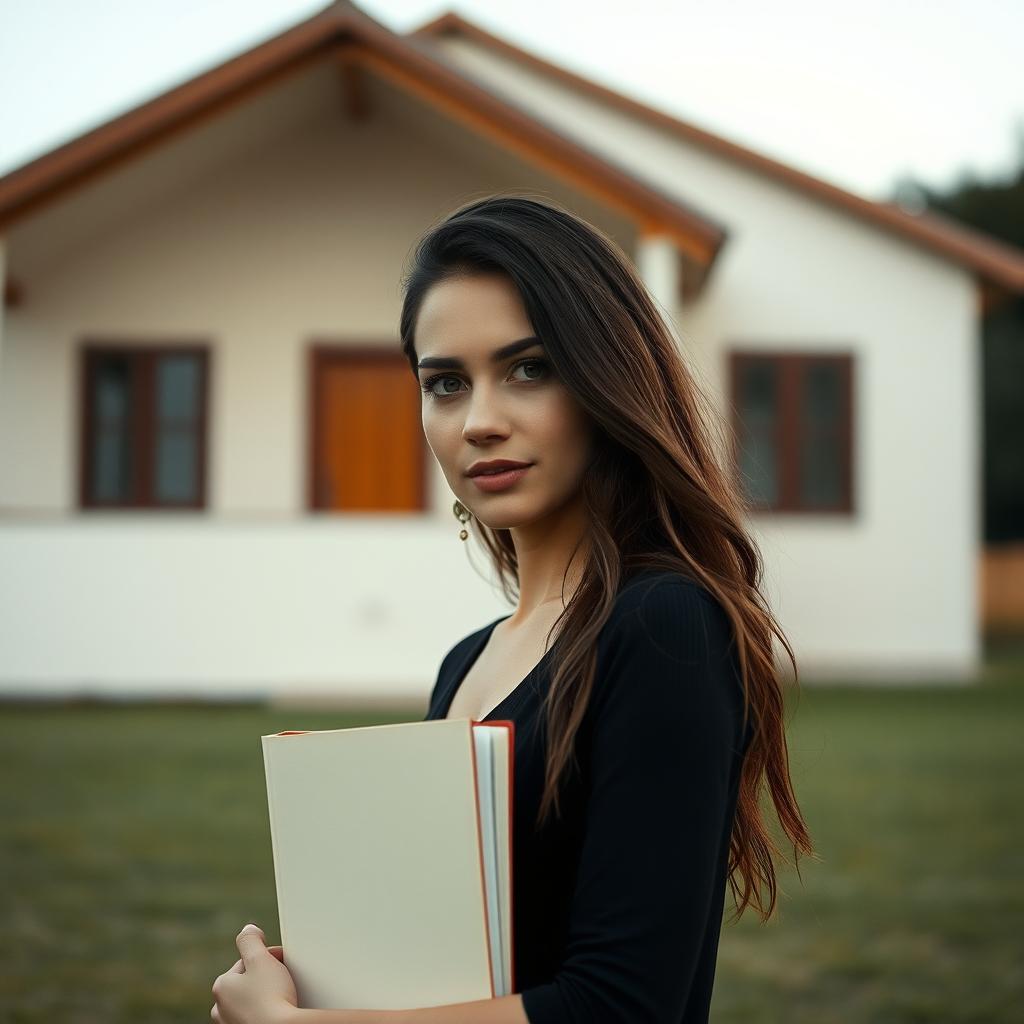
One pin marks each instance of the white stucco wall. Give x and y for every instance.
(227, 609)
(891, 590)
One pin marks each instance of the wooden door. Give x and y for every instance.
(368, 450)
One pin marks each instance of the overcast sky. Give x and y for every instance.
(856, 93)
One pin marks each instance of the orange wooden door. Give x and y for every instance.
(368, 446)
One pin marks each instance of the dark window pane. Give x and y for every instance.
(177, 386)
(178, 383)
(176, 457)
(112, 383)
(758, 449)
(111, 444)
(820, 438)
(111, 479)
(820, 481)
(822, 393)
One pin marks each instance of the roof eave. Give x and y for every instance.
(344, 31)
(993, 262)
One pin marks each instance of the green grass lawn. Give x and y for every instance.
(135, 845)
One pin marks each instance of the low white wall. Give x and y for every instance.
(359, 609)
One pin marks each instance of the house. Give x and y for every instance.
(213, 479)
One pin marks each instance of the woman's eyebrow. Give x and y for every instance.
(452, 363)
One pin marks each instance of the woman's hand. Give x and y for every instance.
(258, 989)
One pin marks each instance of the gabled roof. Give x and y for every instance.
(356, 41)
(995, 262)
(344, 33)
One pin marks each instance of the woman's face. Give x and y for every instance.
(480, 406)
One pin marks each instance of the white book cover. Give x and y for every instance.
(392, 861)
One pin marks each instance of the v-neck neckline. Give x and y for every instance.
(511, 700)
(474, 653)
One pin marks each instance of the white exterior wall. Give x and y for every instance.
(258, 233)
(212, 607)
(657, 262)
(891, 590)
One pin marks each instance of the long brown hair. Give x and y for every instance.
(655, 493)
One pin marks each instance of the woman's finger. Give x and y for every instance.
(238, 967)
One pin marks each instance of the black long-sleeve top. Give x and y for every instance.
(618, 904)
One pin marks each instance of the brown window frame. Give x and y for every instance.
(792, 366)
(143, 358)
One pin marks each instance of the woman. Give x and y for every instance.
(637, 665)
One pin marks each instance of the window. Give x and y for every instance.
(144, 426)
(792, 430)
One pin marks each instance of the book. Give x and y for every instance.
(392, 851)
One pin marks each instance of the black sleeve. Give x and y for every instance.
(666, 729)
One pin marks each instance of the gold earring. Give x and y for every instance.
(462, 514)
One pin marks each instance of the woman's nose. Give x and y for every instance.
(485, 418)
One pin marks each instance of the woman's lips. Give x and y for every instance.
(491, 482)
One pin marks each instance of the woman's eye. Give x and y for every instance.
(428, 386)
(532, 362)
